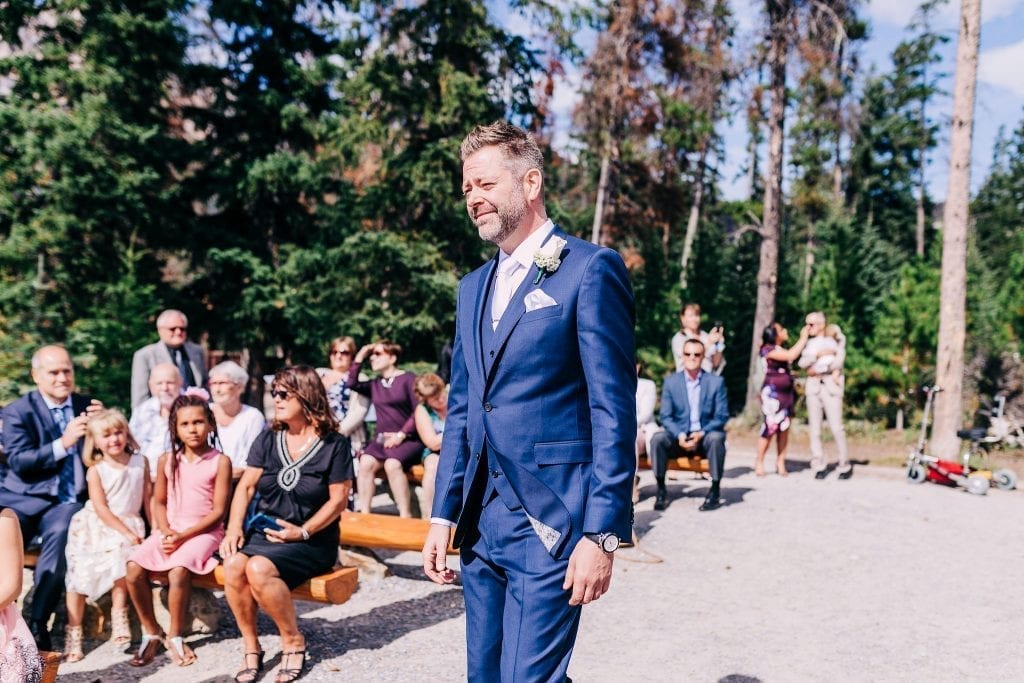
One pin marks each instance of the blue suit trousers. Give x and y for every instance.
(49, 520)
(519, 624)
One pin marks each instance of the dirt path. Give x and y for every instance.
(794, 580)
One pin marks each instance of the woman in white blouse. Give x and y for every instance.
(238, 425)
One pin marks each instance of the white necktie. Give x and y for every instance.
(503, 289)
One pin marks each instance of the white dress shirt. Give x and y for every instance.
(512, 269)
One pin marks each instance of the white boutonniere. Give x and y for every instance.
(548, 257)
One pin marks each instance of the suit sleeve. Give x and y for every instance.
(140, 378)
(451, 467)
(669, 415)
(25, 455)
(605, 320)
(721, 410)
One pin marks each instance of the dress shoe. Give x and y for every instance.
(847, 474)
(41, 635)
(821, 474)
(661, 500)
(712, 502)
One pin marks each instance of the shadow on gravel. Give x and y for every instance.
(382, 625)
(739, 678)
(373, 630)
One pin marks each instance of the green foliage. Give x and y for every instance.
(374, 285)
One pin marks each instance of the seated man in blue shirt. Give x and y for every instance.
(688, 431)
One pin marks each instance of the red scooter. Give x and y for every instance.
(922, 467)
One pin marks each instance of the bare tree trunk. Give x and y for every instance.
(771, 223)
(949, 371)
(602, 191)
(752, 168)
(837, 169)
(919, 228)
(808, 263)
(694, 217)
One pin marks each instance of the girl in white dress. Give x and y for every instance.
(104, 532)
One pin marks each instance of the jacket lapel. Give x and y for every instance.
(517, 307)
(482, 316)
(45, 416)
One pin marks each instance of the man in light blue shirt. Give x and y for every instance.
(694, 410)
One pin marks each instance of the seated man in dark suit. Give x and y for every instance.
(44, 478)
(688, 431)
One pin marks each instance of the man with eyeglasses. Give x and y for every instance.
(824, 394)
(694, 410)
(174, 348)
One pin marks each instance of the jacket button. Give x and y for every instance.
(494, 474)
(488, 407)
(477, 456)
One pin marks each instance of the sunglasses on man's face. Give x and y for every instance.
(177, 328)
(694, 355)
(280, 394)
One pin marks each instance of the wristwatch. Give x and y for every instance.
(606, 542)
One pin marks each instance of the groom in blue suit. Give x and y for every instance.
(537, 460)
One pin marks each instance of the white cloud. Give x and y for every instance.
(899, 12)
(1001, 67)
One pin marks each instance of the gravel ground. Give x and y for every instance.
(795, 579)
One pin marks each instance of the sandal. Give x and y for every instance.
(73, 644)
(120, 626)
(181, 653)
(288, 675)
(147, 649)
(250, 674)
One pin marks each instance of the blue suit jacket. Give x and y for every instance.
(29, 433)
(551, 398)
(675, 406)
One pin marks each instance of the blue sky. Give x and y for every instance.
(1000, 92)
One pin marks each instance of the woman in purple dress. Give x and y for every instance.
(777, 394)
(397, 444)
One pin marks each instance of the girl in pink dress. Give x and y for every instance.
(189, 501)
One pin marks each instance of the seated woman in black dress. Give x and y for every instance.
(302, 470)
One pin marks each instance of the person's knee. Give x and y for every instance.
(179, 577)
(259, 571)
(392, 466)
(134, 571)
(234, 568)
(659, 441)
(367, 465)
(714, 439)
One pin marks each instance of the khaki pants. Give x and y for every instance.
(826, 395)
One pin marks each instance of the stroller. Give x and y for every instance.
(922, 467)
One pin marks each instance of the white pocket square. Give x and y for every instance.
(538, 298)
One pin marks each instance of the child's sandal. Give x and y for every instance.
(181, 653)
(147, 649)
(73, 644)
(120, 626)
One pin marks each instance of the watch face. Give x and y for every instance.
(610, 543)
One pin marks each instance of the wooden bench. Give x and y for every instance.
(335, 587)
(682, 464)
(384, 531)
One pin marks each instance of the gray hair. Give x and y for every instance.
(816, 317)
(165, 316)
(231, 371)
